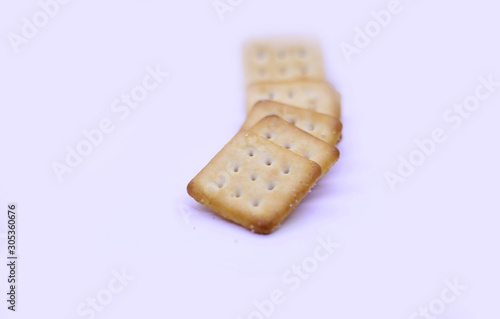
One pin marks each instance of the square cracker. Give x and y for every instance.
(254, 182)
(283, 59)
(322, 126)
(279, 131)
(318, 96)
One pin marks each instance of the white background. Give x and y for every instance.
(126, 206)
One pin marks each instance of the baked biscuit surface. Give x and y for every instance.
(326, 128)
(283, 59)
(254, 182)
(290, 137)
(316, 96)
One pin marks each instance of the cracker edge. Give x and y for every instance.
(338, 126)
(267, 225)
(334, 93)
(332, 149)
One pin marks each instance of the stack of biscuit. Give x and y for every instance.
(287, 142)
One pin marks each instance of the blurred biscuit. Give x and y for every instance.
(316, 96)
(283, 59)
(279, 131)
(326, 128)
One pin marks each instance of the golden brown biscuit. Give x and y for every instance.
(318, 96)
(283, 59)
(322, 126)
(254, 182)
(279, 131)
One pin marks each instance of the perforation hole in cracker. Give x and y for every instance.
(281, 55)
(261, 56)
(268, 135)
(302, 53)
(237, 193)
(271, 186)
(235, 168)
(220, 182)
(255, 203)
